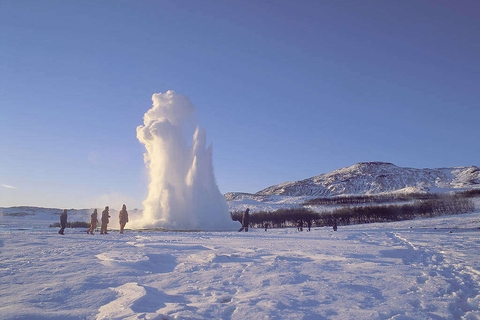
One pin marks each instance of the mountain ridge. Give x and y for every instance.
(370, 178)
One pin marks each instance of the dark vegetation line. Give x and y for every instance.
(421, 205)
(74, 224)
(385, 198)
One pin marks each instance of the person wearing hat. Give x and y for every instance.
(245, 220)
(105, 220)
(93, 222)
(63, 222)
(123, 218)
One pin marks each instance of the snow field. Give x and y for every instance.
(404, 270)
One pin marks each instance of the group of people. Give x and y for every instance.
(300, 225)
(122, 219)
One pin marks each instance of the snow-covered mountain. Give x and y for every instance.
(368, 178)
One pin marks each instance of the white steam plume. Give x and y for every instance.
(182, 192)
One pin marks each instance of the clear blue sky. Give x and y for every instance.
(284, 89)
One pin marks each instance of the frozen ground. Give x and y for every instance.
(422, 269)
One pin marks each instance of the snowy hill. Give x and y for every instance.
(364, 178)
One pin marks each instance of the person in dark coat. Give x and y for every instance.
(300, 225)
(93, 221)
(123, 218)
(309, 224)
(63, 222)
(105, 220)
(245, 220)
(334, 226)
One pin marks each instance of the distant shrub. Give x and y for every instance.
(75, 224)
(470, 193)
(236, 216)
(361, 199)
(441, 205)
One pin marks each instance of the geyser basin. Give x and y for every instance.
(182, 191)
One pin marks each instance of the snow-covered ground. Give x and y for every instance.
(421, 269)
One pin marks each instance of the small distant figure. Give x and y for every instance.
(309, 224)
(266, 226)
(123, 218)
(93, 222)
(334, 226)
(300, 225)
(245, 220)
(105, 220)
(63, 222)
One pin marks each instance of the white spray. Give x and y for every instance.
(182, 193)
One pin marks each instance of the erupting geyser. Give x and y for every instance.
(182, 192)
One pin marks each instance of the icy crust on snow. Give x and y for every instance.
(419, 269)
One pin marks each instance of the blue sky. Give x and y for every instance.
(284, 89)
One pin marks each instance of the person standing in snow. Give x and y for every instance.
(245, 220)
(63, 222)
(300, 225)
(123, 218)
(105, 220)
(309, 224)
(93, 221)
(334, 226)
